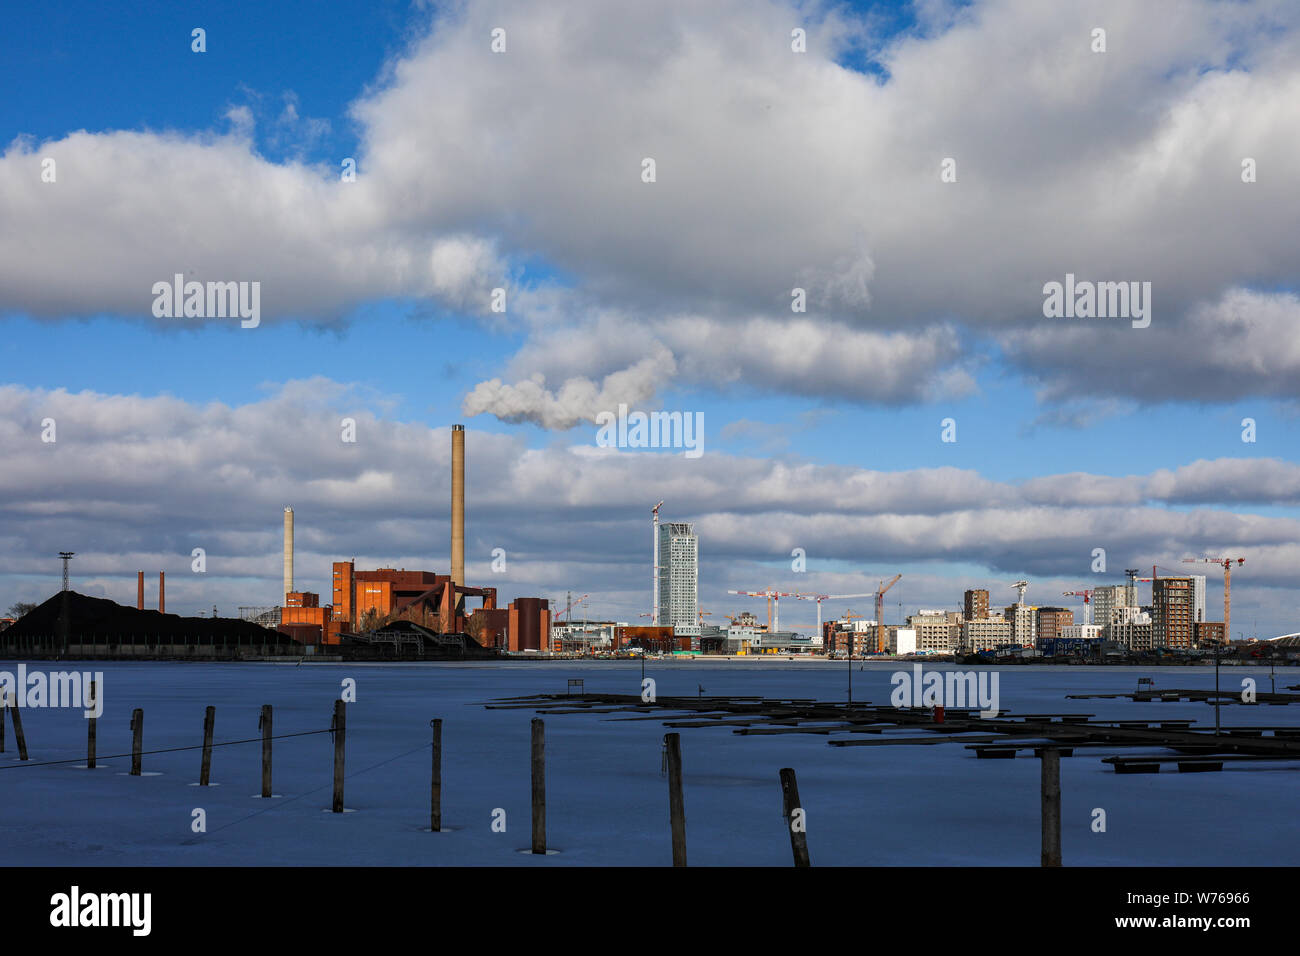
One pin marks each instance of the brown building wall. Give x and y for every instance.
(401, 580)
(1051, 620)
(302, 633)
(976, 604)
(321, 619)
(530, 624)
(1209, 632)
(649, 637)
(1171, 619)
(496, 626)
(301, 599)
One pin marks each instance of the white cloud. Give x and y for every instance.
(774, 169)
(138, 482)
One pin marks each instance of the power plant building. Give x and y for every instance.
(364, 601)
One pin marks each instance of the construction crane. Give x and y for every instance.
(568, 608)
(772, 595)
(1021, 587)
(1132, 583)
(880, 613)
(654, 571)
(825, 597)
(1086, 594)
(1226, 564)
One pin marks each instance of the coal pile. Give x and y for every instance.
(105, 620)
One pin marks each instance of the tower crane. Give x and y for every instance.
(880, 612)
(654, 571)
(568, 608)
(1021, 587)
(803, 596)
(1086, 594)
(1226, 564)
(772, 595)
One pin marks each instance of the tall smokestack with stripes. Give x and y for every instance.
(288, 550)
(162, 592)
(458, 504)
(139, 590)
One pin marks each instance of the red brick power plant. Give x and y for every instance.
(366, 600)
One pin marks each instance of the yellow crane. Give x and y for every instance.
(880, 613)
(1226, 564)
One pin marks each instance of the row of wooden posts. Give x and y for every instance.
(792, 807)
(338, 728)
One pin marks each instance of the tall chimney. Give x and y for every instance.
(458, 504)
(139, 591)
(288, 550)
(162, 592)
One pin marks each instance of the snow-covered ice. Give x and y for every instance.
(607, 803)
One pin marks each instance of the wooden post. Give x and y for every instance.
(340, 731)
(435, 787)
(1051, 767)
(137, 740)
(790, 803)
(90, 730)
(205, 767)
(16, 713)
(676, 806)
(265, 723)
(539, 786)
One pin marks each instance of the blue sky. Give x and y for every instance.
(325, 60)
(299, 68)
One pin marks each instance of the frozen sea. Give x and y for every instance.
(607, 803)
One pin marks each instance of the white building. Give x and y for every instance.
(584, 635)
(1087, 632)
(1131, 627)
(1024, 623)
(902, 640)
(744, 638)
(984, 633)
(679, 578)
(1108, 598)
(1198, 597)
(935, 632)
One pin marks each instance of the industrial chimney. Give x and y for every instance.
(139, 591)
(458, 504)
(162, 592)
(288, 550)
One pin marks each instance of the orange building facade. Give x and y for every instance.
(367, 599)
